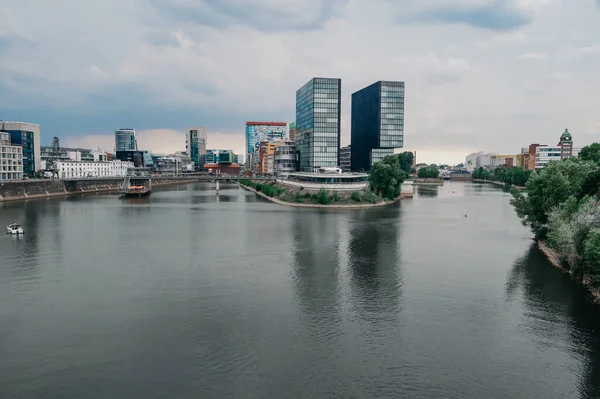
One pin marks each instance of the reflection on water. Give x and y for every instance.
(554, 305)
(427, 190)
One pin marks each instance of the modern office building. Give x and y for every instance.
(292, 132)
(11, 159)
(377, 123)
(262, 131)
(221, 157)
(345, 159)
(26, 135)
(195, 145)
(285, 158)
(318, 108)
(125, 140)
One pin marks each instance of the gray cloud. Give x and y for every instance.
(263, 15)
(496, 15)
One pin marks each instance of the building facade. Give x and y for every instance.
(377, 123)
(125, 140)
(221, 157)
(257, 132)
(478, 160)
(345, 159)
(538, 155)
(292, 132)
(85, 170)
(27, 136)
(285, 158)
(195, 145)
(11, 159)
(318, 118)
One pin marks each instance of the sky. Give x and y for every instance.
(492, 75)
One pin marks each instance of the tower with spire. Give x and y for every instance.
(566, 145)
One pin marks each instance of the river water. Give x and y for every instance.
(189, 295)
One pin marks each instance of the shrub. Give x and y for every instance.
(336, 197)
(368, 196)
(313, 197)
(323, 197)
(591, 254)
(307, 195)
(301, 188)
(355, 196)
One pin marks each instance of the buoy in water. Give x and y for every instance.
(465, 215)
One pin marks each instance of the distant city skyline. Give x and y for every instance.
(505, 72)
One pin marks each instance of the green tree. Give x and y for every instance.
(428, 172)
(323, 197)
(548, 189)
(591, 255)
(386, 177)
(590, 153)
(405, 160)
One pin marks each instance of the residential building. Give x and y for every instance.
(345, 159)
(257, 132)
(125, 140)
(503, 160)
(73, 154)
(27, 136)
(478, 160)
(86, 169)
(318, 108)
(271, 163)
(377, 123)
(285, 158)
(195, 145)
(265, 147)
(11, 159)
(292, 132)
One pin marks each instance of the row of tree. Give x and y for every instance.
(512, 176)
(561, 206)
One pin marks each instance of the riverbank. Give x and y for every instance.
(39, 189)
(333, 205)
(428, 181)
(497, 183)
(554, 259)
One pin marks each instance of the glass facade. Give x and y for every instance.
(195, 145)
(125, 140)
(377, 123)
(25, 139)
(318, 123)
(262, 131)
(221, 156)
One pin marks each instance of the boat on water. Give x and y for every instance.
(137, 183)
(14, 228)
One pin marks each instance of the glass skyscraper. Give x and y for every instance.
(195, 145)
(262, 131)
(377, 123)
(318, 123)
(125, 140)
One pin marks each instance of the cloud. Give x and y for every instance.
(591, 50)
(560, 76)
(493, 15)
(533, 56)
(264, 15)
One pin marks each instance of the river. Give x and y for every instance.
(188, 295)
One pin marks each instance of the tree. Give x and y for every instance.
(386, 177)
(405, 160)
(590, 153)
(548, 189)
(428, 172)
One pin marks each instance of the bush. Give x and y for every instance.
(323, 197)
(313, 197)
(336, 197)
(368, 196)
(307, 195)
(591, 255)
(355, 196)
(428, 172)
(301, 188)
(298, 198)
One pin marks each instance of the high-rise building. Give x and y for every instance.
(345, 159)
(26, 135)
(125, 140)
(262, 131)
(11, 159)
(318, 107)
(292, 132)
(377, 123)
(195, 145)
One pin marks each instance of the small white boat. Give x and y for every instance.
(14, 228)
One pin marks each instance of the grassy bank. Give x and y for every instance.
(322, 197)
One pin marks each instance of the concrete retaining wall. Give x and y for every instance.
(22, 190)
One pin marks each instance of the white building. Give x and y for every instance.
(477, 160)
(83, 170)
(545, 154)
(27, 135)
(11, 159)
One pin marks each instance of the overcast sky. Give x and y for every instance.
(494, 75)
